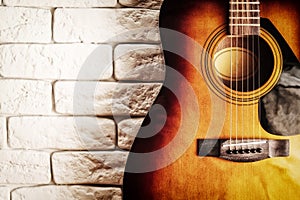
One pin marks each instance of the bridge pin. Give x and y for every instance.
(253, 150)
(259, 150)
(235, 151)
(229, 151)
(247, 150)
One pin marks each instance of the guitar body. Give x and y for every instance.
(165, 164)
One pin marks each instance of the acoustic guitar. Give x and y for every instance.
(203, 137)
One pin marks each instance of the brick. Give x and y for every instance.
(56, 61)
(62, 3)
(127, 130)
(106, 25)
(24, 167)
(25, 25)
(66, 192)
(3, 139)
(89, 167)
(154, 4)
(4, 193)
(62, 133)
(139, 62)
(104, 98)
(25, 97)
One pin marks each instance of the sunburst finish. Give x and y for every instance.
(199, 111)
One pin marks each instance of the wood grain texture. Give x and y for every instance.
(202, 113)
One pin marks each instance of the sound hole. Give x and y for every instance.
(243, 64)
(241, 69)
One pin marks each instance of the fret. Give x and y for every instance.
(244, 14)
(244, 10)
(244, 30)
(237, 17)
(244, 24)
(244, 17)
(244, 3)
(244, 21)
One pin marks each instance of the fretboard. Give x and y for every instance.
(244, 17)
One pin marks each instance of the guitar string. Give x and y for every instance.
(236, 42)
(236, 71)
(242, 77)
(253, 81)
(253, 85)
(250, 73)
(231, 72)
(234, 68)
(247, 62)
(250, 29)
(247, 71)
(240, 69)
(259, 75)
(257, 63)
(236, 76)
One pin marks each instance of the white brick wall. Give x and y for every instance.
(55, 61)
(127, 130)
(102, 98)
(139, 62)
(61, 3)
(155, 4)
(61, 133)
(25, 25)
(3, 134)
(24, 167)
(60, 63)
(73, 25)
(66, 193)
(25, 97)
(4, 193)
(88, 167)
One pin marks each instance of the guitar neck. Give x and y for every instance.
(244, 17)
